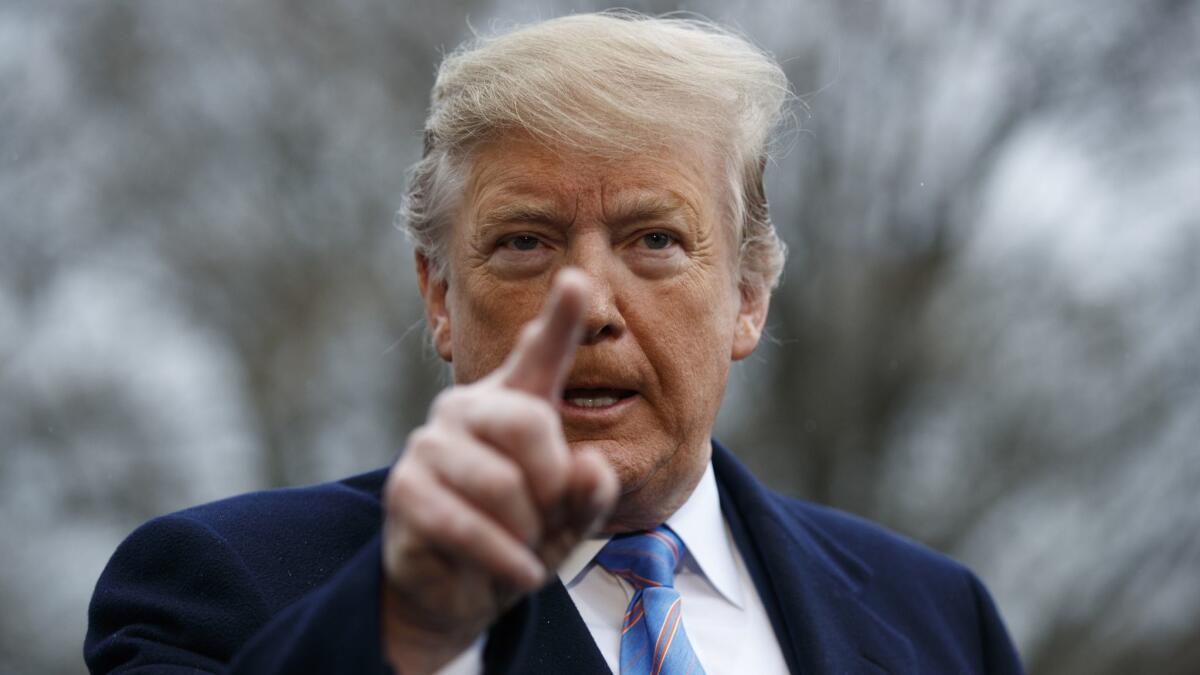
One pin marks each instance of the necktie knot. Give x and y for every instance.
(645, 559)
(653, 641)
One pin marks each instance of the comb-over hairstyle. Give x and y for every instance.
(611, 84)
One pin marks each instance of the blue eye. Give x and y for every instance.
(657, 240)
(524, 242)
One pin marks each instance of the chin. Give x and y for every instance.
(633, 464)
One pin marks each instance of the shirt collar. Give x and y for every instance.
(700, 525)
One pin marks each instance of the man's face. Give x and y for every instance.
(664, 319)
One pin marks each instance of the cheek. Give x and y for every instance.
(486, 318)
(689, 336)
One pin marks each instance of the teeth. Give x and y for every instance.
(598, 402)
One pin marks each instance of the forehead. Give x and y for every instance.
(517, 169)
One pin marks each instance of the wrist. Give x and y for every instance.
(414, 649)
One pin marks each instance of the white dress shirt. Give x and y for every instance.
(725, 620)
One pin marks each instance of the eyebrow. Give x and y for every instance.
(521, 213)
(625, 210)
(649, 206)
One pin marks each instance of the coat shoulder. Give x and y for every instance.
(281, 542)
(909, 584)
(278, 514)
(879, 549)
(291, 539)
(189, 587)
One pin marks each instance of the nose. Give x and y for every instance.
(603, 319)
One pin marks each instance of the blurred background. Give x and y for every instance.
(987, 336)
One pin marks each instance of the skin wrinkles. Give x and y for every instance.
(667, 324)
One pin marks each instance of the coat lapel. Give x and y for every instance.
(543, 634)
(811, 587)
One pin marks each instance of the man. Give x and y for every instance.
(594, 251)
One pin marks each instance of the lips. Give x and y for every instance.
(595, 397)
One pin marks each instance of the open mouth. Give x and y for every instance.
(596, 398)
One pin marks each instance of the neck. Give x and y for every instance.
(652, 503)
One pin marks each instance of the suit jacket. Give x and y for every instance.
(288, 581)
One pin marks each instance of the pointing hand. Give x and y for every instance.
(487, 499)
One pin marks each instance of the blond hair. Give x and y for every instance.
(611, 84)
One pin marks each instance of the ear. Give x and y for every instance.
(751, 317)
(433, 292)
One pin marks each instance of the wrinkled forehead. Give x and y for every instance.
(519, 172)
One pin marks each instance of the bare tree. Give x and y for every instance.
(985, 337)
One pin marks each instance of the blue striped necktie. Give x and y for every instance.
(653, 641)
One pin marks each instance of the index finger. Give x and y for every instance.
(539, 363)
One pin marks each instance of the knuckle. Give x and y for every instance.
(457, 401)
(545, 415)
(502, 483)
(535, 417)
(447, 402)
(402, 513)
(420, 524)
(423, 520)
(394, 489)
(458, 528)
(439, 403)
(422, 440)
(403, 490)
(399, 482)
